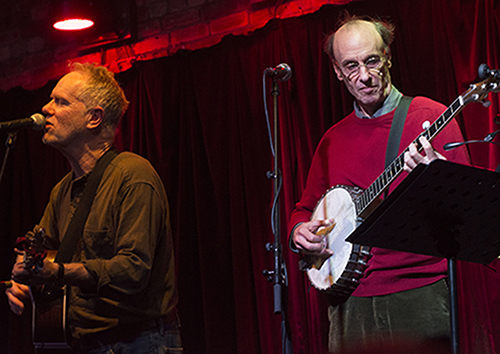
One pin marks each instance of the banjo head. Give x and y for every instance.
(338, 273)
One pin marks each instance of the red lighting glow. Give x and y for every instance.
(73, 24)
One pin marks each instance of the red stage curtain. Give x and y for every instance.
(199, 117)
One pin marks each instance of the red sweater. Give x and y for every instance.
(352, 152)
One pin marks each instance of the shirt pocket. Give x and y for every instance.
(98, 244)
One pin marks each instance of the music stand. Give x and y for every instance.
(442, 209)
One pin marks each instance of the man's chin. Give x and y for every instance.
(47, 140)
(371, 94)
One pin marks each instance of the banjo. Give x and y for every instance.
(340, 273)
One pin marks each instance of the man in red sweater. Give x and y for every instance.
(399, 293)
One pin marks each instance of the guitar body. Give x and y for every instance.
(340, 273)
(49, 327)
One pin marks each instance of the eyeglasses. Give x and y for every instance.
(351, 69)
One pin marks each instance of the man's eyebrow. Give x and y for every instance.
(347, 61)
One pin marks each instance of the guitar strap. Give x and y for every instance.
(398, 123)
(75, 228)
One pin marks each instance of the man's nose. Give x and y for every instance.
(47, 110)
(364, 73)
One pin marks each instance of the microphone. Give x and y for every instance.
(4, 285)
(36, 122)
(487, 139)
(491, 136)
(281, 72)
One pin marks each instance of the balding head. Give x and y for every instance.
(384, 29)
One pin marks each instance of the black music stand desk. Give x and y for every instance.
(442, 209)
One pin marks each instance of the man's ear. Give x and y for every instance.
(338, 71)
(95, 117)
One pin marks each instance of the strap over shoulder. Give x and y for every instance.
(75, 228)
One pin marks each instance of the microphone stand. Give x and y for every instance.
(278, 275)
(488, 139)
(483, 72)
(9, 144)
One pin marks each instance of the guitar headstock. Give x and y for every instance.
(34, 252)
(479, 91)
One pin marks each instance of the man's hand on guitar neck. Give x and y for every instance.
(309, 237)
(412, 157)
(25, 276)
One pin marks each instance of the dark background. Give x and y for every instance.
(199, 118)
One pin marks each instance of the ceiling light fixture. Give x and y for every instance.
(75, 24)
(74, 15)
(92, 23)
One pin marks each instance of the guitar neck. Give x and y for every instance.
(396, 167)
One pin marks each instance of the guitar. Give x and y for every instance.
(341, 273)
(49, 326)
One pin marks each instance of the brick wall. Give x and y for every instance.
(31, 53)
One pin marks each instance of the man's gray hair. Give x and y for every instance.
(101, 89)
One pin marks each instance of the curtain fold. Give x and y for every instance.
(199, 118)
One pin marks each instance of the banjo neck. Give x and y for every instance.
(476, 93)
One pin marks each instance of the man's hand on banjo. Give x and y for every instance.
(412, 157)
(309, 237)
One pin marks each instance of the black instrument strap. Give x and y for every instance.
(75, 228)
(398, 123)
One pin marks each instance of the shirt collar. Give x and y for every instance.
(390, 103)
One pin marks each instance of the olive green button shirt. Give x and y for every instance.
(126, 245)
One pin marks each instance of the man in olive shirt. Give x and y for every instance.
(121, 277)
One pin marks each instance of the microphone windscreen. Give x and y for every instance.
(39, 120)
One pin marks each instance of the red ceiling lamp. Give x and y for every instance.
(74, 15)
(73, 24)
(94, 23)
